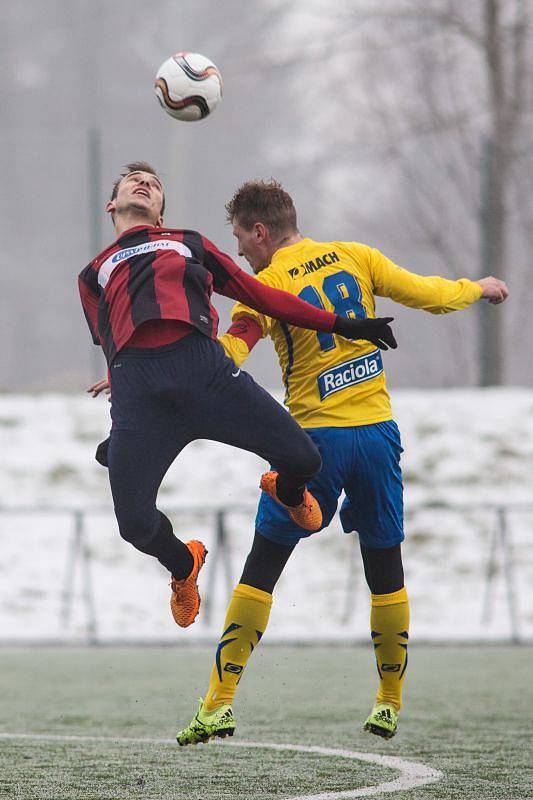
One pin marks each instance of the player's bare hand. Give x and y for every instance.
(99, 387)
(494, 290)
(378, 331)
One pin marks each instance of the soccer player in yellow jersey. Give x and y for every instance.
(337, 391)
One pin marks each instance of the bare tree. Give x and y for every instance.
(440, 101)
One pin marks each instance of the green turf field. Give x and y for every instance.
(467, 713)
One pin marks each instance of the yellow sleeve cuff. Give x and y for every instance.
(235, 348)
(477, 290)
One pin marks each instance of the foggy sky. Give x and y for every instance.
(69, 67)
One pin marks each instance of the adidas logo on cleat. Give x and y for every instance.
(383, 721)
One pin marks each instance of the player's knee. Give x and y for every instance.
(135, 526)
(383, 569)
(308, 460)
(316, 461)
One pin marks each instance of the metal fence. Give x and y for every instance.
(499, 562)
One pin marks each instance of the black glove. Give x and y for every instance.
(101, 453)
(378, 331)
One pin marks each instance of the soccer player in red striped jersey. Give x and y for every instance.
(147, 301)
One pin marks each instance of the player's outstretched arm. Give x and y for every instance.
(232, 281)
(285, 307)
(494, 290)
(429, 292)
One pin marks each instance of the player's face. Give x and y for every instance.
(253, 245)
(140, 192)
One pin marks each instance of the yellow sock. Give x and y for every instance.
(389, 622)
(246, 621)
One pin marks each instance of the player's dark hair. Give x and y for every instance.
(266, 202)
(136, 166)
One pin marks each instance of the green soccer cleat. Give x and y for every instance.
(383, 720)
(207, 725)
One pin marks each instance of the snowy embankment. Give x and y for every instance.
(465, 451)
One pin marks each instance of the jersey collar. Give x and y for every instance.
(291, 249)
(137, 228)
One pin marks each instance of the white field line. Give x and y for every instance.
(411, 776)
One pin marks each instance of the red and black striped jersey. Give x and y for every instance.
(152, 273)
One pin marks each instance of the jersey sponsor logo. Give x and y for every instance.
(314, 265)
(350, 373)
(128, 252)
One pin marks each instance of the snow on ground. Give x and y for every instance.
(465, 452)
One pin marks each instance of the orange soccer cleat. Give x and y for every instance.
(185, 599)
(307, 515)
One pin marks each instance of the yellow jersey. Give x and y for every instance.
(330, 381)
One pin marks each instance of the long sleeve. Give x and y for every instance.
(434, 294)
(231, 281)
(89, 301)
(277, 304)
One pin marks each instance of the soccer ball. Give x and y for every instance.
(188, 86)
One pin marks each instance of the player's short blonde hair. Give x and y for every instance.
(266, 202)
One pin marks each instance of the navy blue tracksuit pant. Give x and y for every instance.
(163, 399)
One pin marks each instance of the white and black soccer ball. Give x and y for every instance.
(188, 86)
